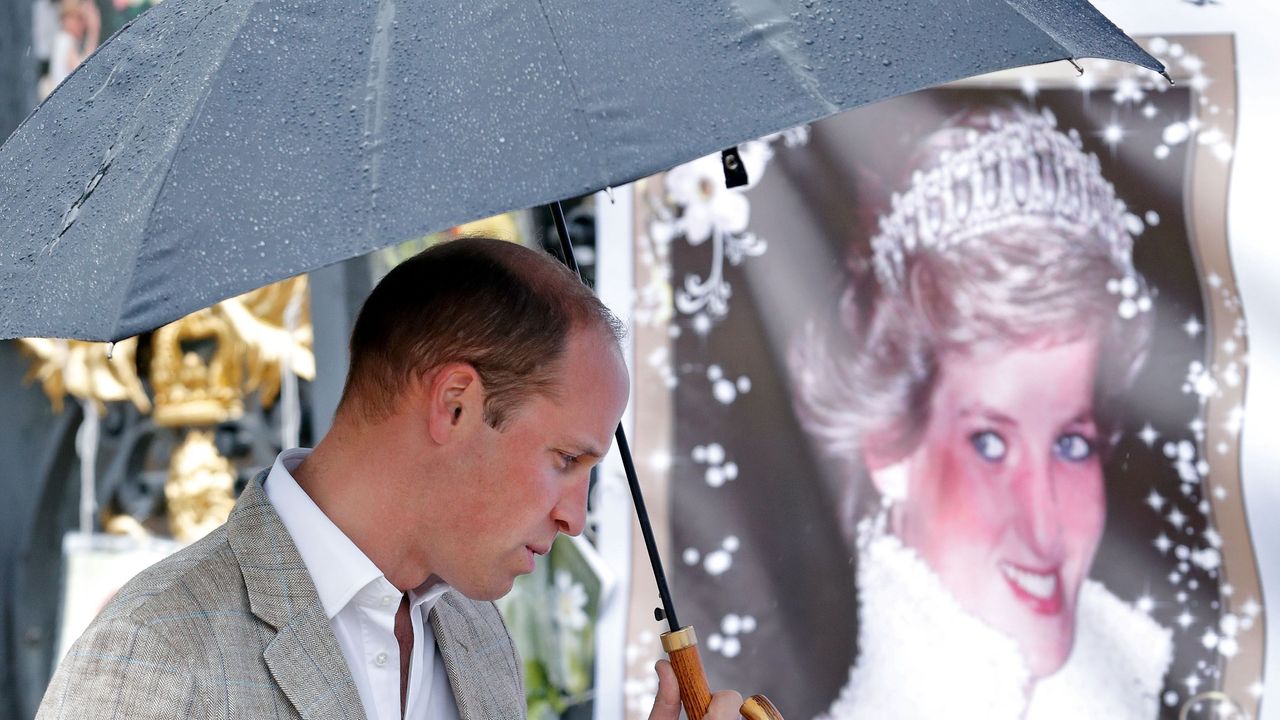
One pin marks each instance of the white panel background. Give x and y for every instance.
(614, 282)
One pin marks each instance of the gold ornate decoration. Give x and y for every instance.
(202, 368)
(273, 327)
(83, 370)
(198, 493)
(123, 524)
(246, 340)
(195, 371)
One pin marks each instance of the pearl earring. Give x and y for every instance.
(892, 482)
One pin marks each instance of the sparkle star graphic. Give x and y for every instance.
(1127, 91)
(1192, 327)
(1113, 134)
(1209, 639)
(1155, 501)
(1148, 435)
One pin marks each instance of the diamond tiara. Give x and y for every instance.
(1020, 169)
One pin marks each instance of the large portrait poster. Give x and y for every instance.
(944, 409)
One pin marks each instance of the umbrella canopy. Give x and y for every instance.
(214, 146)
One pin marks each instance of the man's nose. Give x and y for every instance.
(570, 513)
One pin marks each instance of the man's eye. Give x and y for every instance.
(1073, 447)
(989, 445)
(567, 461)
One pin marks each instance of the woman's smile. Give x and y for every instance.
(1040, 591)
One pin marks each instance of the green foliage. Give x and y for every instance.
(551, 613)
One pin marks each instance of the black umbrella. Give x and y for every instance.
(238, 142)
(214, 146)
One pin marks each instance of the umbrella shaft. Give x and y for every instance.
(624, 449)
(650, 544)
(566, 246)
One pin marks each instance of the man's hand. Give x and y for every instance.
(724, 704)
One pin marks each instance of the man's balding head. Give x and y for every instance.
(504, 309)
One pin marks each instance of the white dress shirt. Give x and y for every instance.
(361, 605)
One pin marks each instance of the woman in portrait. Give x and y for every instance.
(968, 385)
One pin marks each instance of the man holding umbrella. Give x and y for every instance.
(355, 580)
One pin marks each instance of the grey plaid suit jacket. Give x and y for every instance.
(231, 627)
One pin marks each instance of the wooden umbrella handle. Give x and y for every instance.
(758, 707)
(682, 648)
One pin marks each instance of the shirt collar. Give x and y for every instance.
(428, 593)
(338, 568)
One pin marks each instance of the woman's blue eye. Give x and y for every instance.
(989, 445)
(1073, 447)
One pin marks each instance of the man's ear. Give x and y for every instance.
(454, 400)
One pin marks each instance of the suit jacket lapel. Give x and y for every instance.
(478, 658)
(309, 667)
(304, 658)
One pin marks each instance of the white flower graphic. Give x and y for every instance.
(708, 206)
(570, 602)
(698, 187)
(698, 207)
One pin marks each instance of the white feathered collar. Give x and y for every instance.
(922, 656)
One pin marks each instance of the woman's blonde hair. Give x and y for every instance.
(1030, 266)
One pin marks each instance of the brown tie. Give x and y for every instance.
(404, 636)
